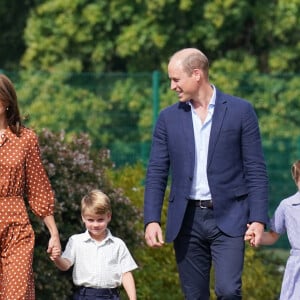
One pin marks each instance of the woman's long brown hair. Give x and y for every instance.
(8, 97)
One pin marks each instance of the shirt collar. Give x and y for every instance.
(296, 200)
(212, 101)
(87, 237)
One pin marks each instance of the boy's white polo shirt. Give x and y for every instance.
(98, 264)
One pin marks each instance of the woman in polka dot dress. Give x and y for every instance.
(21, 173)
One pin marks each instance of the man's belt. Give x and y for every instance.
(201, 203)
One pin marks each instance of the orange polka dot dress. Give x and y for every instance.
(21, 173)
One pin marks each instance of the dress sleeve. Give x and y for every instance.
(277, 223)
(38, 188)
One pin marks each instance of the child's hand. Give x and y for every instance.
(55, 253)
(250, 236)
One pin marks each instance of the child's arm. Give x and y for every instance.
(129, 285)
(62, 263)
(269, 238)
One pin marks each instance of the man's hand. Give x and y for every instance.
(153, 235)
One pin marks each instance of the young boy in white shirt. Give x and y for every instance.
(101, 262)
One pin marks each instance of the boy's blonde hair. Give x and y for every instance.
(296, 171)
(96, 203)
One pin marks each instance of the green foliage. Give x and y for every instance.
(274, 96)
(121, 35)
(137, 36)
(13, 16)
(89, 103)
(262, 275)
(67, 39)
(74, 169)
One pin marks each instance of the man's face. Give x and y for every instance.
(183, 84)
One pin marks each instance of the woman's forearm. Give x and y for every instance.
(51, 226)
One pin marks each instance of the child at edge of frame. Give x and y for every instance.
(101, 262)
(286, 221)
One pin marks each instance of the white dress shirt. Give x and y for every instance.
(200, 188)
(98, 264)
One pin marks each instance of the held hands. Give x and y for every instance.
(153, 235)
(54, 247)
(254, 233)
(55, 253)
(250, 236)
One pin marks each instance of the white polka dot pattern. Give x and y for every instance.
(21, 173)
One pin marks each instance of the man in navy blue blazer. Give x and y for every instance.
(209, 143)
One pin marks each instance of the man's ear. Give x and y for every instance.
(198, 74)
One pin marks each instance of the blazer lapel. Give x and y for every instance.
(188, 129)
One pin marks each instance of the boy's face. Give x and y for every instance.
(96, 224)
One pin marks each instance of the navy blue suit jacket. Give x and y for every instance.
(236, 168)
